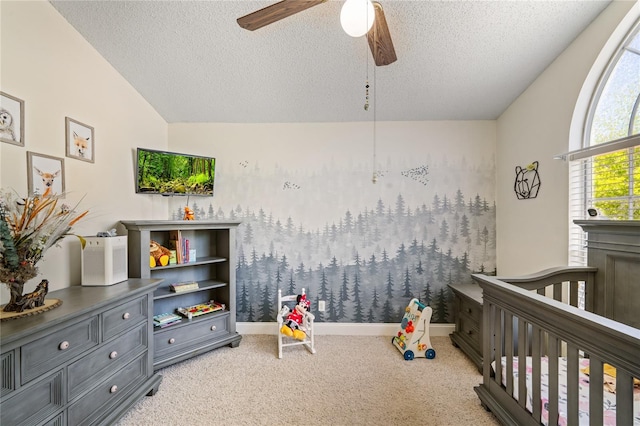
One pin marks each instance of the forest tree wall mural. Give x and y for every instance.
(364, 248)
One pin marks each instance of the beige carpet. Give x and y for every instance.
(360, 380)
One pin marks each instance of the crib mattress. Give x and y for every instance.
(609, 398)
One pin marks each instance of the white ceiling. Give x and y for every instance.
(457, 60)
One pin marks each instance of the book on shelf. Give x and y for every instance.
(201, 309)
(184, 286)
(167, 324)
(182, 247)
(175, 243)
(166, 319)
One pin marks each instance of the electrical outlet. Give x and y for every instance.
(321, 306)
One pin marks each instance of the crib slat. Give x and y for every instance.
(499, 352)
(589, 292)
(557, 292)
(522, 363)
(624, 397)
(535, 371)
(595, 391)
(488, 343)
(553, 381)
(508, 349)
(572, 384)
(573, 293)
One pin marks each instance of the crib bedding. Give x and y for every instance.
(609, 398)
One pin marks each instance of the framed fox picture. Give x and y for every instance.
(79, 140)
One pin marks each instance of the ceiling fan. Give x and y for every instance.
(378, 36)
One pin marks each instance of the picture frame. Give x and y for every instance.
(79, 140)
(45, 171)
(11, 119)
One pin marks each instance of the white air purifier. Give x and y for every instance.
(104, 261)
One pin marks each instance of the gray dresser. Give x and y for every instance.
(85, 362)
(467, 302)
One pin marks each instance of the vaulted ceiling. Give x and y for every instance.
(457, 60)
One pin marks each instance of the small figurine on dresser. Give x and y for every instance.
(35, 298)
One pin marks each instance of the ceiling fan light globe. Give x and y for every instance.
(356, 17)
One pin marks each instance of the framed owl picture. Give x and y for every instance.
(79, 140)
(11, 119)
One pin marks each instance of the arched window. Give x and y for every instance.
(605, 173)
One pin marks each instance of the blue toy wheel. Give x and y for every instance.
(408, 355)
(430, 354)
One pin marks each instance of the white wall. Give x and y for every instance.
(46, 63)
(532, 234)
(295, 149)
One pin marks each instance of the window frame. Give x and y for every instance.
(581, 177)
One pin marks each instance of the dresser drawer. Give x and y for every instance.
(34, 403)
(122, 317)
(176, 339)
(105, 360)
(471, 308)
(469, 329)
(105, 395)
(46, 353)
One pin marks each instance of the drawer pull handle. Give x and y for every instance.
(172, 341)
(213, 328)
(113, 355)
(64, 346)
(113, 389)
(126, 315)
(469, 310)
(470, 332)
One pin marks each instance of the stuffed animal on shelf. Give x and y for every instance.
(188, 214)
(158, 255)
(292, 323)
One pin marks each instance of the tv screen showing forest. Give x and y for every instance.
(170, 173)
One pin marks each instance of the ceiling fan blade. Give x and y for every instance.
(380, 39)
(275, 12)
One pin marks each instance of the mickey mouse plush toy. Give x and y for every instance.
(291, 326)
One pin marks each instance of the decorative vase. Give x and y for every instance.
(28, 228)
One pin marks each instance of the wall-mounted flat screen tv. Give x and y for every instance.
(172, 173)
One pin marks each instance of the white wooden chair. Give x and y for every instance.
(285, 305)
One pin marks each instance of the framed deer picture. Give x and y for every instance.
(44, 172)
(11, 119)
(79, 140)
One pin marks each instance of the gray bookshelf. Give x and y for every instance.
(214, 269)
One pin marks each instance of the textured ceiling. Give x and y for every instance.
(457, 60)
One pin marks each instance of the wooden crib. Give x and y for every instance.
(547, 360)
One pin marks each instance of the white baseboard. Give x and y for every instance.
(342, 329)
